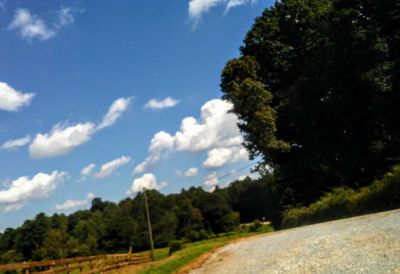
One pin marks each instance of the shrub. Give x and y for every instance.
(11, 256)
(174, 246)
(342, 202)
(230, 221)
(193, 236)
(255, 226)
(203, 234)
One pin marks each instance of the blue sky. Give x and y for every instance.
(103, 98)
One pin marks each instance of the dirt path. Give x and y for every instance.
(366, 244)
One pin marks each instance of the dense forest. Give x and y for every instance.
(108, 227)
(316, 88)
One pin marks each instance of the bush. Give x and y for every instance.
(174, 246)
(255, 226)
(230, 221)
(11, 256)
(193, 236)
(342, 202)
(203, 234)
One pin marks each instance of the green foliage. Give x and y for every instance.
(58, 244)
(230, 221)
(316, 89)
(165, 230)
(11, 256)
(255, 226)
(108, 227)
(193, 236)
(255, 199)
(174, 246)
(345, 202)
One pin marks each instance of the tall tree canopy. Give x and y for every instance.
(317, 90)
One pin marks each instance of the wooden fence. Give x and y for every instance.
(84, 265)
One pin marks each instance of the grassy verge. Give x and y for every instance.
(191, 251)
(342, 202)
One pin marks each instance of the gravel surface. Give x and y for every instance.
(366, 244)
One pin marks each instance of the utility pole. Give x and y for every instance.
(149, 225)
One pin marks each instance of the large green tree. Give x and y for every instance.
(316, 90)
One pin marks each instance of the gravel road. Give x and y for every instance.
(366, 244)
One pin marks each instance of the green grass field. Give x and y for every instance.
(191, 251)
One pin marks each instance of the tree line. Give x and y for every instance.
(109, 227)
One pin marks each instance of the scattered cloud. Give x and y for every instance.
(108, 168)
(13, 144)
(115, 111)
(235, 3)
(197, 8)
(161, 104)
(147, 181)
(211, 181)
(191, 172)
(13, 207)
(63, 139)
(218, 157)
(217, 127)
(74, 204)
(161, 141)
(24, 190)
(146, 164)
(216, 131)
(31, 26)
(65, 17)
(3, 5)
(60, 140)
(13, 100)
(87, 170)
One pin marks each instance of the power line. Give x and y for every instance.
(239, 169)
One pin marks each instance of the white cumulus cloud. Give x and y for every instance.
(31, 26)
(25, 189)
(115, 111)
(108, 168)
(147, 181)
(161, 104)
(60, 140)
(218, 157)
(13, 144)
(74, 204)
(216, 131)
(191, 172)
(13, 100)
(161, 141)
(87, 170)
(217, 127)
(63, 139)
